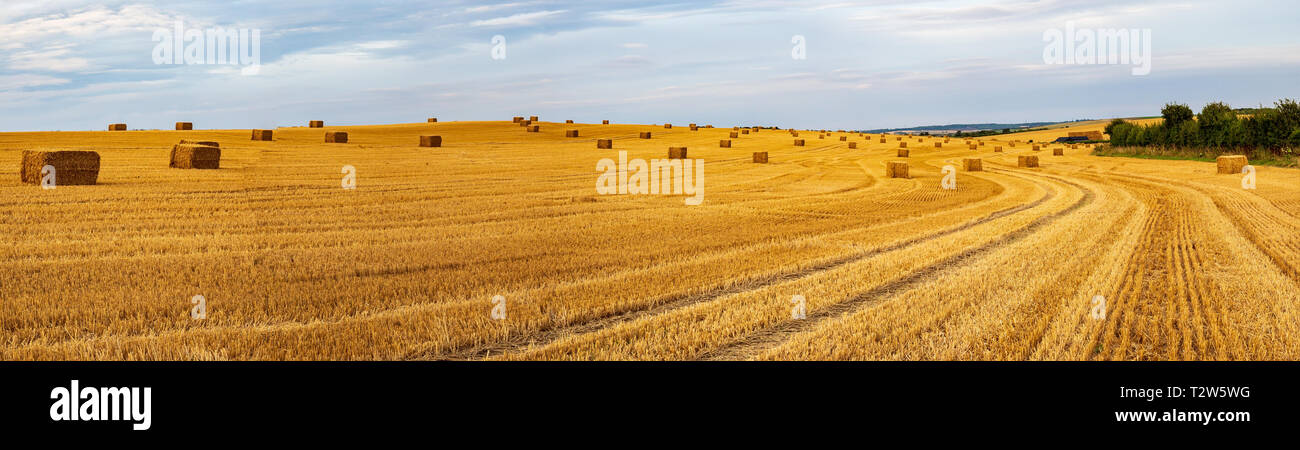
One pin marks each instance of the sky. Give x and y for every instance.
(80, 65)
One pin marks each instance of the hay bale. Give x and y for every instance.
(645, 135)
(981, 143)
(668, 125)
(194, 156)
(534, 129)
(184, 126)
(745, 131)
(518, 119)
(972, 164)
(1012, 144)
(798, 142)
(794, 133)
(760, 157)
(902, 145)
(604, 122)
(262, 135)
(896, 169)
(853, 145)
(844, 138)
(695, 128)
(570, 133)
(336, 137)
(433, 120)
(938, 145)
(568, 121)
(900, 138)
(734, 135)
(676, 152)
(725, 143)
(883, 140)
(316, 124)
(201, 143)
(1027, 161)
(1231, 164)
(431, 141)
(821, 136)
(1036, 148)
(997, 149)
(1058, 152)
(903, 153)
(525, 123)
(604, 143)
(71, 168)
(974, 147)
(532, 118)
(117, 127)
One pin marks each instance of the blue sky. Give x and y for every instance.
(79, 65)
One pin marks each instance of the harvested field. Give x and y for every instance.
(1192, 266)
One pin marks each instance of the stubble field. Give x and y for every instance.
(292, 266)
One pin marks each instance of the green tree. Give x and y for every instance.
(1175, 114)
(1110, 127)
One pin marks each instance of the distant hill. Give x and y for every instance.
(970, 127)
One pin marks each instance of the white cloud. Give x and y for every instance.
(523, 19)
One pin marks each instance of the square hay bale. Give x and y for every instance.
(71, 168)
(525, 123)
(316, 124)
(695, 128)
(938, 145)
(794, 133)
(725, 143)
(1012, 144)
(518, 119)
(900, 138)
(883, 140)
(336, 137)
(201, 143)
(1074, 147)
(853, 145)
(904, 153)
(844, 138)
(604, 143)
(568, 121)
(902, 145)
(117, 127)
(760, 157)
(896, 169)
(532, 118)
(570, 133)
(821, 136)
(981, 143)
(1058, 152)
(1036, 148)
(668, 125)
(997, 148)
(972, 164)
(1231, 164)
(433, 120)
(745, 131)
(604, 122)
(534, 129)
(184, 126)
(974, 147)
(734, 135)
(798, 142)
(676, 152)
(1027, 161)
(693, 125)
(431, 141)
(194, 156)
(262, 135)
(645, 135)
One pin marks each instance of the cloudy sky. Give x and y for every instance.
(79, 65)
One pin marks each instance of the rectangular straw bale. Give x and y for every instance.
(194, 156)
(896, 169)
(604, 143)
(1027, 161)
(71, 168)
(972, 164)
(676, 152)
(316, 124)
(760, 157)
(725, 143)
(1231, 164)
(431, 141)
(571, 133)
(184, 126)
(262, 135)
(336, 137)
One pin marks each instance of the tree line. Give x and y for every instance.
(1218, 126)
